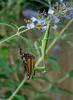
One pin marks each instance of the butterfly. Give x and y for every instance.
(29, 62)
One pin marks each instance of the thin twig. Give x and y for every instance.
(11, 37)
(19, 87)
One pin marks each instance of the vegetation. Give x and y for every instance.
(40, 36)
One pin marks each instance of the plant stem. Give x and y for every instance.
(45, 42)
(54, 41)
(19, 87)
(10, 26)
(45, 39)
(41, 58)
(9, 38)
(67, 75)
(59, 36)
(63, 78)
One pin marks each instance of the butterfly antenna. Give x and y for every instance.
(20, 49)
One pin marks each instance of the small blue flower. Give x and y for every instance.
(43, 29)
(69, 14)
(69, 17)
(70, 11)
(42, 21)
(55, 27)
(51, 11)
(33, 19)
(55, 20)
(30, 25)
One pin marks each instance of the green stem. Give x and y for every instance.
(54, 41)
(58, 82)
(19, 87)
(45, 39)
(9, 38)
(51, 45)
(11, 26)
(59, 36)
(45, 42)
(63, 78)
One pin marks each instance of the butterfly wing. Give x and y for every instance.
(29, 61)
(30, 65)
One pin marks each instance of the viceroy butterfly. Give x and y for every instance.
(29, 61)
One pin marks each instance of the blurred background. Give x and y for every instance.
(59, 61)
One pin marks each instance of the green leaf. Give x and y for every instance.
(5, 23)
(4, 52)
(41, 96)
(19, 97)
(56, 89)
(30, 87)
(5, 67)
(11, 86)
(43, 78)
(42, 2)
(2, 84)
(3, 75)
(54, 65)
(29, 44)
(17, 67)
(71, 74)
(40, 68)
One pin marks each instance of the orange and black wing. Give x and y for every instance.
(30, 67)
(29, 61)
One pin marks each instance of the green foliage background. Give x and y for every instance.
(40, 87)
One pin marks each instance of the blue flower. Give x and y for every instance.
(69, 14)
(55, 20)
(55, 27)
(51, 11)
(30, 25)
(70, 11)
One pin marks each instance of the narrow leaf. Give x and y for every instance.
(54, 65)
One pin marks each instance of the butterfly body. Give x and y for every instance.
(29, 61)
